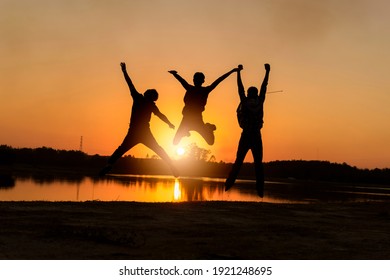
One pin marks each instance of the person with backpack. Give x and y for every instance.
(250, 118)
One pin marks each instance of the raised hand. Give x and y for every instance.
(123, 66)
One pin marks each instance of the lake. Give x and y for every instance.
(169, 189)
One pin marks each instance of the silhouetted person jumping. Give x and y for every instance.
(195, 100)
(139, 130)
(250, 117)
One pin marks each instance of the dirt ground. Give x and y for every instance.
(193, 230)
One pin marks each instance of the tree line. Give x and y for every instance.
(48, 159)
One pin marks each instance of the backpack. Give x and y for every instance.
(241, 118)
(246, 120)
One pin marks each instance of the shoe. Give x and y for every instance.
(105, 170)
(211, 126)
(228, 184)
(209, 137)
(260, 190)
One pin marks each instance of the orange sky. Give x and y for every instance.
(60, 77)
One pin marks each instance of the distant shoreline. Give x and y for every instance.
(47, 160)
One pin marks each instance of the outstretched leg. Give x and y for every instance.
(242, 150)
(181, 132)
(152, 144)
(126, 145)
(257, 152)
(207, 132)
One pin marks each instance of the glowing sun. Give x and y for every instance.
(180, 151)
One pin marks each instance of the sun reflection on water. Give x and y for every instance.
(177, 191)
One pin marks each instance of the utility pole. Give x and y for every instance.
(81, 144)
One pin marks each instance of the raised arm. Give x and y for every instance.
(163, 117)
(220, 79)
(263, 88)
(180, 79)
(241, 90)
(133, 91)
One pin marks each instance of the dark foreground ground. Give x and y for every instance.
(199, 230)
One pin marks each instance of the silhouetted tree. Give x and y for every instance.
(196, 153)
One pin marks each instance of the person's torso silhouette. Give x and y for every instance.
(195, 100)
(250, 113)
(142, 109)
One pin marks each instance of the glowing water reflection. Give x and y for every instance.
(177, 191)
(168, 189)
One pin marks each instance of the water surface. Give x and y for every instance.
(169, 189)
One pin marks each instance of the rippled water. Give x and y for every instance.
(169, 189)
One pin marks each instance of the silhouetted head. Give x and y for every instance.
(151, 94)
(252, 92)
(198, 78)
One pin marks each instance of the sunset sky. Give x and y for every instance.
(60, 77)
